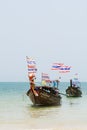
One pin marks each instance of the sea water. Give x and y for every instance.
(16, 107)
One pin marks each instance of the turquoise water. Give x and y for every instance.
(16, 107)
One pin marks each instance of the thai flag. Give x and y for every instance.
(56, 66)
(31, 65)
(65, 69)
(45, 77)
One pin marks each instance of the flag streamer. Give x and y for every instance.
(31, 64)
(61, 67)
(45, 77)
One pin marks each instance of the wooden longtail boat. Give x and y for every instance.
(40, 95)
(73, 91)
(43, 95)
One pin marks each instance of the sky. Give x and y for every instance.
(48, 31)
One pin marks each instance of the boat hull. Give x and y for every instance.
(44, 98)
(73, 92)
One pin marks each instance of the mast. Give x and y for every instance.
(70, 82)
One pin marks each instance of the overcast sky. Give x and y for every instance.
(47, 30)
